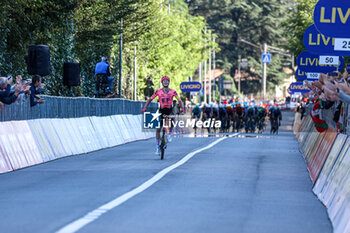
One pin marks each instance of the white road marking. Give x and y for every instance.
(95, 214)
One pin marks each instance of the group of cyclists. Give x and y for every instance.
(234, 117)
(237, 117)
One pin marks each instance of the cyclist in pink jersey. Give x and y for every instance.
(165, 96)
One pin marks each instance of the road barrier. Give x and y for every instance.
(26, 143)
(4, 163)
(328, 159)
(66, 126)
(69, 107)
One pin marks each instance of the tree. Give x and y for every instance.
(85, 30)
(297, 23)
(258, 21)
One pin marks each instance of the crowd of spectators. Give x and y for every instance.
(331, 90)
(332, 87)
(19, 90)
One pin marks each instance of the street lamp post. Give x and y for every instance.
(200, 81)
(210, 73)
(120, 58)
(239, 74)
(214, 91)
(264, 73)
(205, 69)
(135, 73)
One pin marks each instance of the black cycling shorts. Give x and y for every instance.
(166, 112)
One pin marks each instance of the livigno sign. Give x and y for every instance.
(317, 43)
(310, 63)
(301, 75)
(190, 86)
(298, 87)
(332, 18)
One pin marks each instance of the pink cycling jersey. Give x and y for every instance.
(165, 99)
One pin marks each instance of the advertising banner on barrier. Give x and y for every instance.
(128, 126)
(87, 133)
(116, 130)
(341, 219)
(107, 124)
(312, 152)
(327, 168)
(122, 128)
(5, 165)
(305, 130)
(320, 156)
(69, 143)
(316, 42)
(137, 127)
(331, 18)
(11, 146)
(74, 133)
(27, 142)
(99, 130)
(43, 144)
(336, 175)
(310, 63)
(340, 187)
(297, 122)
(312, 144)
(58, 147)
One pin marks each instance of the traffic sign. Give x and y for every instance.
(266, 58)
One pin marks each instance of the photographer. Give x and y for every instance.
(103, 68)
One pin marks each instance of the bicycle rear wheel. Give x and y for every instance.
(163, 146)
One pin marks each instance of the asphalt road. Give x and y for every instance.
(241, 184)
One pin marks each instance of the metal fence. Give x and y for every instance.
(71, 107)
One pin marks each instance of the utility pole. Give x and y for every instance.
(239, 74)
(120, 58)
(264, 73)
(214, 91)
(205, 69)
(200, 81)
(135, 70)
(210, 73)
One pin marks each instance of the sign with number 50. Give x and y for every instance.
(329, 60)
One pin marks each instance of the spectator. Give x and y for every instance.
(5, 87)
(7, 96)
(187, 104)
(104, 69)
(36, 88)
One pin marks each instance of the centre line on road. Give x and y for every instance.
(95, 214)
